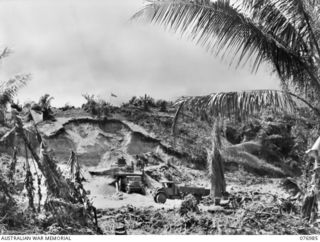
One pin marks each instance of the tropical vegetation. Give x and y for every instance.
(283, 34)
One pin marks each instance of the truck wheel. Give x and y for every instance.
(198, 198)
(161, 198)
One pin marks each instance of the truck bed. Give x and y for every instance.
(195, 190)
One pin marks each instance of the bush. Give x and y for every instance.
(162, 105)
(133, 100)
(143, 101)
(66, 107)
(96, 107)
(189, 204)
(44, 106)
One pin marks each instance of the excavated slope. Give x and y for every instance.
(98, 143)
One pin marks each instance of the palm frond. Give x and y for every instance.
(175, 120)
(238, 104)
(8, 89)
(45, 101)
(291, 32)
(294, 9)
(223, 28)
(297, 9)
(5, 53)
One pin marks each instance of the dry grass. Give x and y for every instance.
(253, 217)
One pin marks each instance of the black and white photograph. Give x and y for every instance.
(159, 117)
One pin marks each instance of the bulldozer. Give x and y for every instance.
(170, 190)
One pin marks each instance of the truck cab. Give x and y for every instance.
(135, 184)
(168, 190)
(170, 187)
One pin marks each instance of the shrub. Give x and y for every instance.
(133, 100)
(96, 107)
(44, 106)
(144, 102)
(66, 107)
(162, 105)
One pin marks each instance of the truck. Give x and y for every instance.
(170, 190)
(135, 184)
(130, 183)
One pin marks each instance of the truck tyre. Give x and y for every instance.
(161, 198)
(198, 197)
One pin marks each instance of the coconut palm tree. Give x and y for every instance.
(281, 33)
(45, 106)
(9, 88)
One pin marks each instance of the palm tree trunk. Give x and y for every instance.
(2, 117)
(218, 183)
(13, 165)
(29, 183)
(175, 120)
(310, 203)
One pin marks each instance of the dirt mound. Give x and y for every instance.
(99, 143)
(137, 143)
(260, 146)
(164, 172)
(248, 154)
(90, 139)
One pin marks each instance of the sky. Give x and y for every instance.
(75, 47)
